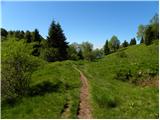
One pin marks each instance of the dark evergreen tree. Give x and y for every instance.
(57, 39)
(80, 54)
(133, 41)
(28, 36)
(106, 48)
(125, 44)
(36, 36)
(21, 34)
(142, 40)
(17, 34)
(148, 35)
(4, 32)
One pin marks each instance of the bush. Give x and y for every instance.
(123, 74)
(49, 54)
(17, 66)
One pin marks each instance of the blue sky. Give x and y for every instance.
(81, 21)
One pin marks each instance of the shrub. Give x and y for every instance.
(123, 74)
(17, 66)
(49, 54)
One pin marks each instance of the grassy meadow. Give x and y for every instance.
(46, 103)
(114, 97)
(110, 97)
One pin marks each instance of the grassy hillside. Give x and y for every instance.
(122, 85)
(125, 84)
(45, 102)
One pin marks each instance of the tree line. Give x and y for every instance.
(56, 48)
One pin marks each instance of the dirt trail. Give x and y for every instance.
(84, 106)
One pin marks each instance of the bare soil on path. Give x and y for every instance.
(84, 106)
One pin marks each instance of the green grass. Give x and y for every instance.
(115, 98)
(110, 96)
(49, 105)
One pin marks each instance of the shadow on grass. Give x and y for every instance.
(45, 87)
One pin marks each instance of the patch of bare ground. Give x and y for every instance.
(84, 105)
(150, 81)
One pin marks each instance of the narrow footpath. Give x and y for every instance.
(84, 105)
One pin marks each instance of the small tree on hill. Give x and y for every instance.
(87, 51)
(133, 41)
(106, 48)
(114, 43)
(125, 44)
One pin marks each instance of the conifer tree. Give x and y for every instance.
(36, 36)
(125, 44)
(142, 40)
(133, 41)
(57, 39)
(28, 36)
(106, 48)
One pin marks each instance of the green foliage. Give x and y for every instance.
(148, 35)
(125, 44)
(87, 51)
(36, 36)
(114, 43)
(121, 54)
(56, 39)
(141, 31)
(50, 54)
(142, 40)
(106, 48)
(17, 66)
(72, 53)
(113, 93)
(133, 41)
(50, 87)
(123, 74)
(150, 32)
(28, 36)
(98, 53)
(4, 32)
(155, 19)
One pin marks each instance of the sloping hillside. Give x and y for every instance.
(125, 84)
(121, 85)
(55, 87)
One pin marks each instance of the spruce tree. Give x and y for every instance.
(4, 32)
(57, 39)
(106, 48)
(28, 36)
(142, 40)
(148, 35)
(125, 44)
(133, 41)
(36, 36)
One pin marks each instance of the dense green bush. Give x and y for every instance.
(49, 54)
(72, 53)
(123, 74)
(17, 66)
